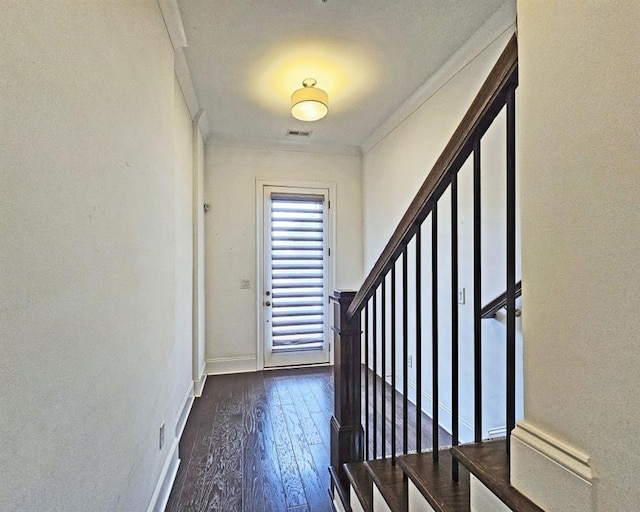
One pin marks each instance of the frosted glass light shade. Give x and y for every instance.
(309, 103)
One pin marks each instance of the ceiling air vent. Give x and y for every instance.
(298, 133)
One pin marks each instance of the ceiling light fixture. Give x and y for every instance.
(309, 103)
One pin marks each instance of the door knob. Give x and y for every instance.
(267, 303)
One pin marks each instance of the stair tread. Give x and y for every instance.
(361, 482)
(435, 483)
(489, 462)
(391, 482)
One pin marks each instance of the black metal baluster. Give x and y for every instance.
(419, 339)
(383, 334)
(511, 264)
(405, 353)
(454, 322)
(434, 330)
(477, 296)
(374, 328)
(366, 381)
(393, 363)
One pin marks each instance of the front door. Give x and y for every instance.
(296, 270)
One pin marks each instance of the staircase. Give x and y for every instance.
(386, 455)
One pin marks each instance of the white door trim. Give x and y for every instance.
(333, 214)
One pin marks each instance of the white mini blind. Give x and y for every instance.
(297, 271)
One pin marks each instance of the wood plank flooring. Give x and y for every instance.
(259, 442)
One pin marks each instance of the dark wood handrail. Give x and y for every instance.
(490, 310)
(485, 107)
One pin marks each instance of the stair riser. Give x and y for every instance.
(355, 503)
(337, 505)
(417, 502)
(379, 504)
(483, 500)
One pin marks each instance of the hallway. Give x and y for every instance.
(257, 442)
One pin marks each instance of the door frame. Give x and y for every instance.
(331, 186)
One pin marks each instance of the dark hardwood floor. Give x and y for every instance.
(259, 442)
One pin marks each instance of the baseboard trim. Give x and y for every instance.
(549, 471)
(198, 384)
(185, 409)
(446, 414)
(162, 491)
(224, 365)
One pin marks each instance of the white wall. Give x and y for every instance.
(580, 125)
(90, 214)
(393, 170)
(230, 187)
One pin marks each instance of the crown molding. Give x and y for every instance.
(175, 30)
(219, 139)
(183, 74)
(173, 22)
(501, 23)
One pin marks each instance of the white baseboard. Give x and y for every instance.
(162, 491)
(446, 414)
(198, 384)
(550, 472)
(185, 409)
(224, 365)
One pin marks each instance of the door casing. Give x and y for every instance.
(260, 241)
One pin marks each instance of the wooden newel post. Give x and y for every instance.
(346, 422)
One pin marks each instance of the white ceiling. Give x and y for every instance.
(247, 57)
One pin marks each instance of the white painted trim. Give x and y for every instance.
(356, 506)
(223, 365)
(198, 384)
(445, 415)
(483, 500)
(497, 432)
(163, 487)
(337, 505)
(416, 499)
(552, 473)
(184, 410)
(183, 74)
(445, 412)
(379, 503)
(202, 120)
(173, 23)
(501, 22)
(219, 139)
(333, 243)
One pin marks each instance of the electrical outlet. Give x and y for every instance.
(461, 294)
(245, 284)
(161, 444)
